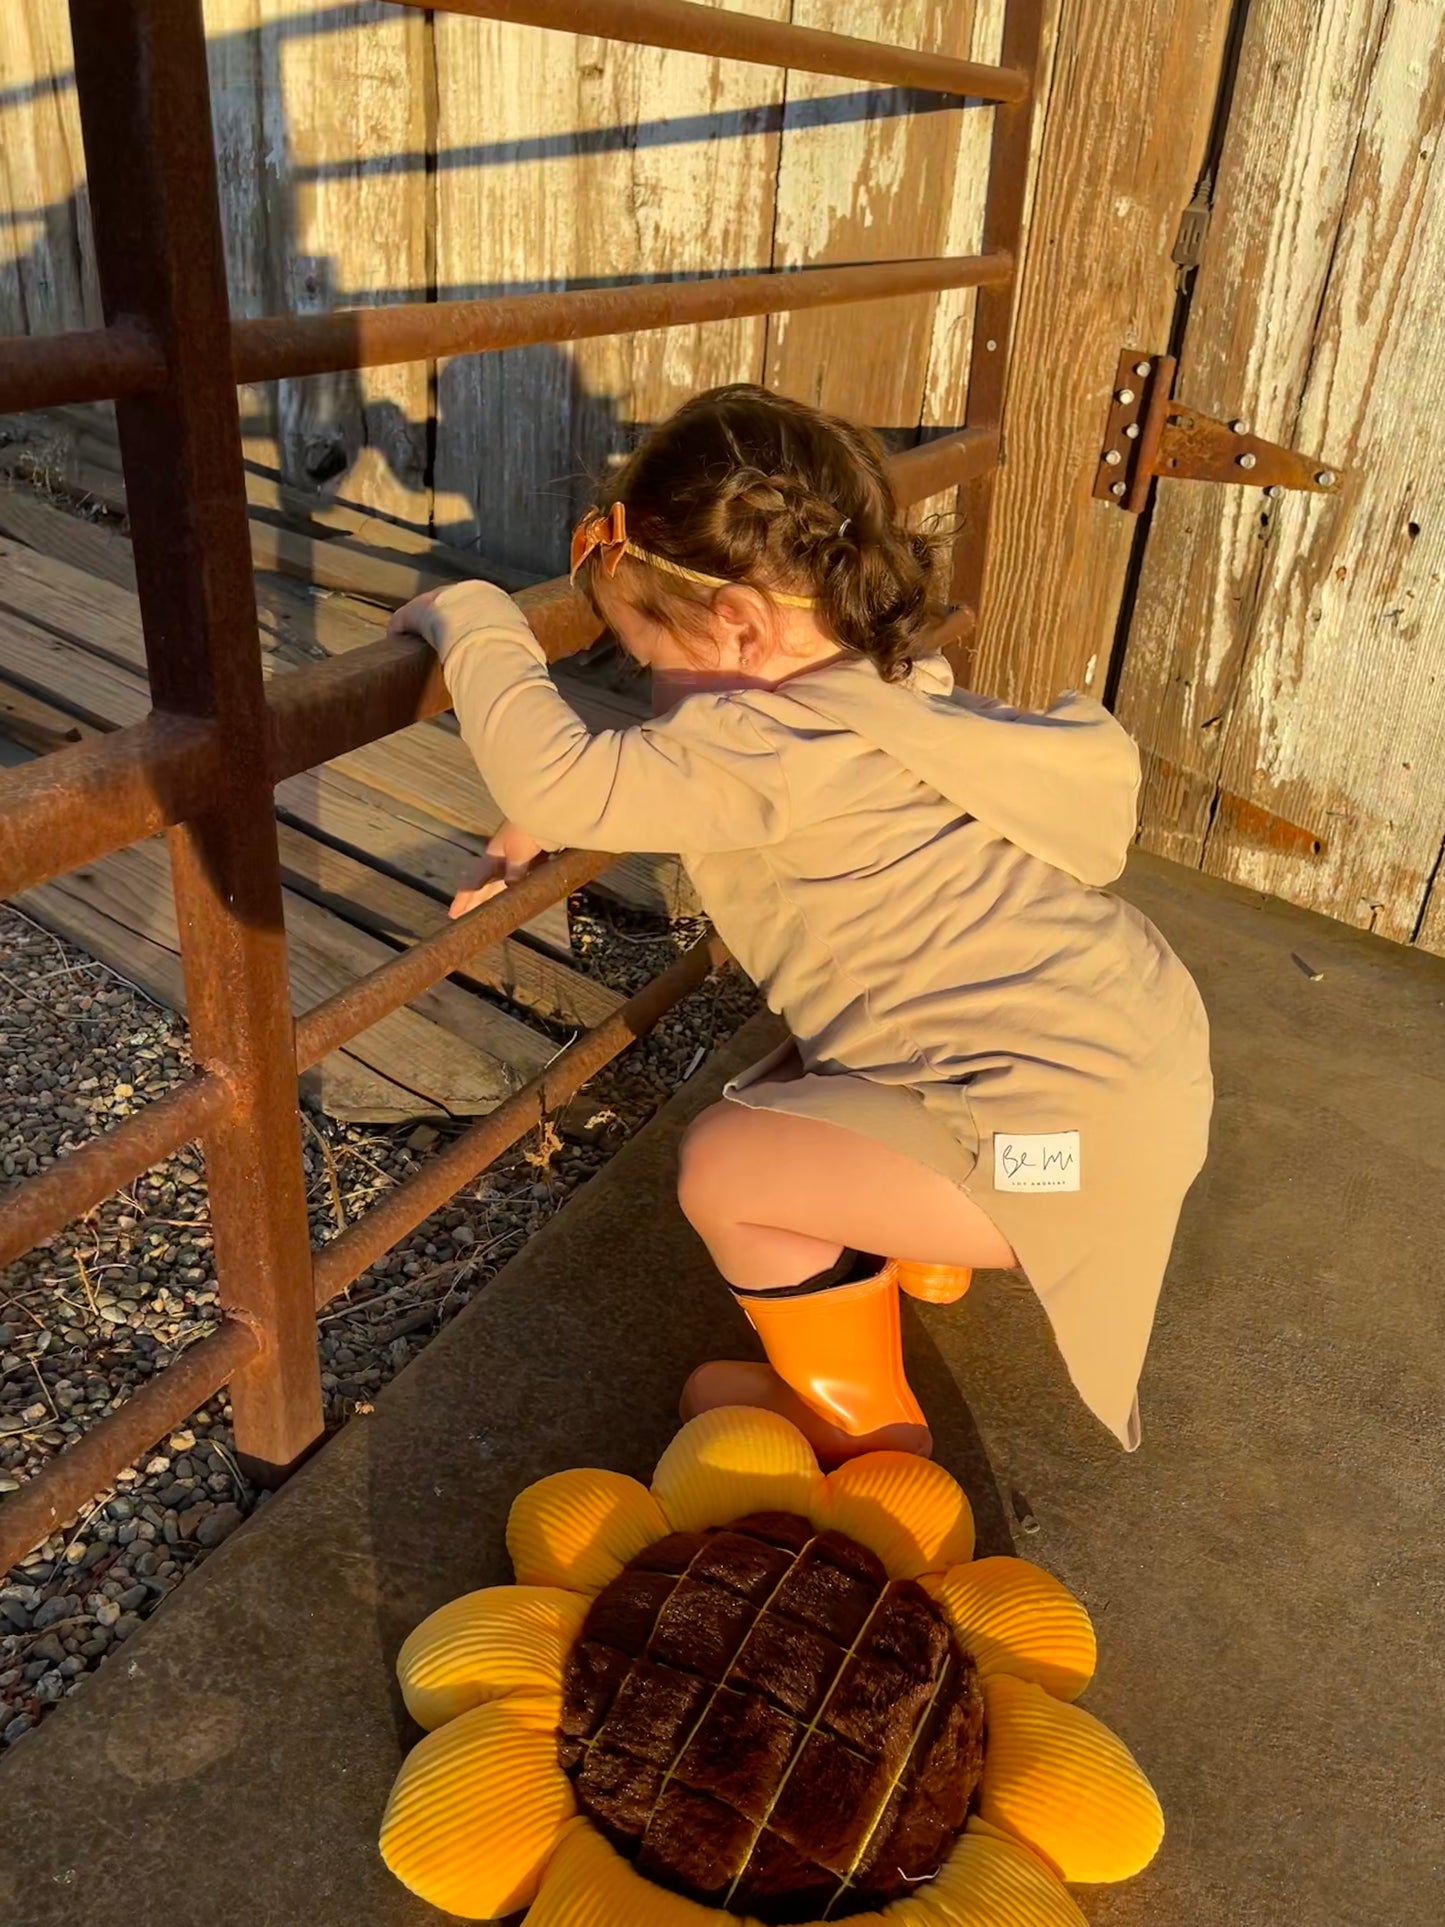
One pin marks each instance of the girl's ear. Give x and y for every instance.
(743, 628)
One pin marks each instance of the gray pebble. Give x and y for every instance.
(16, 1730)
(47, 1648)
(93, 1648)
(125, 1627)
(220, 1525)
(192, 1518)
(107, 1612)
(63, 1606)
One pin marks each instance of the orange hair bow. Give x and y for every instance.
(598, 531)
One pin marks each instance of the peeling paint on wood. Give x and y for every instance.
(1293, 652)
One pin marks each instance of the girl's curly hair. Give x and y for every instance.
(757, 488)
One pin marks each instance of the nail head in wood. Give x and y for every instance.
(1112, 457)
(1247, 460)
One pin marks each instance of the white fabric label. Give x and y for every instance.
(1048, 1161)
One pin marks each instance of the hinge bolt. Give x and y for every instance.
(1274, 491)
(1240, 428)
(1143, 367)
(1112, 458)
(992, 346)
(1132, 431)
(1119, 488)
(1125, 396)
(1247, 460)
(1326, 478)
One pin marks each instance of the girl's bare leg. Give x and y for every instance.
(776, 1198)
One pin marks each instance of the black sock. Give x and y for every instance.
(851, 1268)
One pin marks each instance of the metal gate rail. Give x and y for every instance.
(203, 765)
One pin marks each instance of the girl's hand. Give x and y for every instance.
(414, 618)
(510, 855)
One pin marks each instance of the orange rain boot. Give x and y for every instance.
(835, 1368)
(933, 1284)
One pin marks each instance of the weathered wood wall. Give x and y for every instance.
(368, 154)
(1283, 663)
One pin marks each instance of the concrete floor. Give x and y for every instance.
(1266, 1574)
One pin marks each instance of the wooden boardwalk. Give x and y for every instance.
(372, 846)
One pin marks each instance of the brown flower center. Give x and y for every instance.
(760, 1719)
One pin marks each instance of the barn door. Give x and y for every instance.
(1283, 662)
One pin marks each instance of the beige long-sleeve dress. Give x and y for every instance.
(912, 876)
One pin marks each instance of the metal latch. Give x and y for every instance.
(1150, 434)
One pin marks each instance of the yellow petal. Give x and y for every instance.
(507, 1639)
(1015, 1618)
(989, 1880)
(579, 1529)
(587, 1884)
(1061, 1782)
(908, 1510)
(732, 1461)
(477, 1808)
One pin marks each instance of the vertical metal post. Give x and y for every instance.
(141, 79)
(1003, 220)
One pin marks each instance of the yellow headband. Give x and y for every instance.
(608, 533)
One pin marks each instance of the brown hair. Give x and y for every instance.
(757, 488)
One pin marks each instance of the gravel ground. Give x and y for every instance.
(93, 1312)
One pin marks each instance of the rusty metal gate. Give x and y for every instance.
(203, 764)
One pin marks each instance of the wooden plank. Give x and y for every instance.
(407, 1047)
(86, 685)
(26, 516)
(391, 909)
(865, 175)
(355, 890)
(36, 725)
(342, 1084)
(322, 136)
(102, 616)
(100, 691)
(340, 564)
(1252, 325)
(501, 1040)
(426, 771)
(47, 278)
(355, 531)
(945, 391)
(591, 162)
(1338, 719)
(407, 841)
(1126, 114)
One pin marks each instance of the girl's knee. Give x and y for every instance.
(706, 1150)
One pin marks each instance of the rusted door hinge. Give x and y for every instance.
(1149, 434)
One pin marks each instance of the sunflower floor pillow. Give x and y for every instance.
(759, 1692)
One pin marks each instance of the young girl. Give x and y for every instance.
(993, 1062)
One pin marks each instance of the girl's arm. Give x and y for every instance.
(703, 778)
